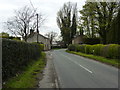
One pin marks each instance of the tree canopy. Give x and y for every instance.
(97, 18)
(67, 21)
(24, 19)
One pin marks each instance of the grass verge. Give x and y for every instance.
(112, 62)
(28, 78)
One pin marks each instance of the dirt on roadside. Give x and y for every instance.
(49, 79)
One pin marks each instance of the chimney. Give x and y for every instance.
(31, 31)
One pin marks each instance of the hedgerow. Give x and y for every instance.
(72, 47)
(16, 55)
(111, 51)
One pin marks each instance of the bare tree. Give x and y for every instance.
(51, 35)
(24, 19)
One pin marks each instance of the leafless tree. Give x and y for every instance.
(24, 19)
(51, 35)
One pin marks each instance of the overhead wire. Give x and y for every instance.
(32, 4)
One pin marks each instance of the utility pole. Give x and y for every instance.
(37, 21)
(37, 28)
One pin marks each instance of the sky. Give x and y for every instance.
(48, 8)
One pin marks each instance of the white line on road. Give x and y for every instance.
(83, 67)
(78, 64)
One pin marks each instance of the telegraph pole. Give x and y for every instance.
(37, 28)
(37, 21)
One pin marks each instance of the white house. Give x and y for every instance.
(34, 37)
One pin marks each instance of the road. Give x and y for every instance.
(78, 72)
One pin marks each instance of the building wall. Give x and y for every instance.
(41, 39)
(32, 39)
(77, 40)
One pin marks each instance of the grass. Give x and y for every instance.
(28, 78)
(112, 62)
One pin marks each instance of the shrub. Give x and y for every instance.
(113, 51)
(16, 55)
(42, 46)
(109, 51)
(91, 49)
(88, 49)
(119, 52)
(77, 48)
(97, 49)
(82, 48)
(72, 47)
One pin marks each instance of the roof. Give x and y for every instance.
(78, 36)
(31, 35)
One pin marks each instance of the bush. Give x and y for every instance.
(82, 48)
(119, 52)
(88, 49)
(109, 51)
(97, 49)
(113, 51)
(77, 48)
(16, 55)
(42, 47)
(72, 47)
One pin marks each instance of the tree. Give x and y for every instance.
(67, 22)
(51, 35)
(88, 20)
(99, 15)
(80, 27)
(106, 12)
(24, 19)
(114, 32)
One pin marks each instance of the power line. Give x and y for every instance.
(37, 20)
(31, 4)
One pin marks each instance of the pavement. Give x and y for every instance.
(78, 72)
(49, 75)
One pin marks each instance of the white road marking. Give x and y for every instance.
(84, 67)
(78, 64)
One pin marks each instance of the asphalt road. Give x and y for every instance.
(78, 72)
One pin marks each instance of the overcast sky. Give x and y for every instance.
(48, 8)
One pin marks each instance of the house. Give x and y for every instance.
(36, 37)
(82, 39)
(78, 39)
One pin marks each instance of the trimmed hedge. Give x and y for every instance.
(42, 47)
(72, 47)
(16, 55)
(111, 51)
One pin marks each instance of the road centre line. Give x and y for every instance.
(78, 64)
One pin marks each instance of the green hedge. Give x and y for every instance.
(16, 55)
(42, 47)
(109, 51)
(72, 47)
